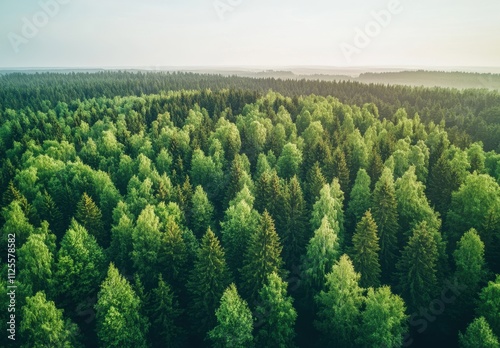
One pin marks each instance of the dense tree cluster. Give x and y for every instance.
(227, 218)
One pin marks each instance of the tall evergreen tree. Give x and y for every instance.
(489, 304)
(315, 181)
(262, 257)
(207, 282)
(234, 322)
(417, 268)
(89, 216)
(385, 214)
(275, 315)
(164, 312)
(365, 251)
(295, 220)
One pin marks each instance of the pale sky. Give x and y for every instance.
(267, 33)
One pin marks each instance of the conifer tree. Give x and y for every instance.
(417, 268)
(365, 251)
(262, 257)
(234, 322)
(294, 232)
(89, 216)
(360, 200)
(201, 212)
(207, 282)
(119, 321)
(385, 214)
(275, 314)
(478, 334)
(164, 312)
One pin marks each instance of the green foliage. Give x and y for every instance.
(365, 251)
(80, 266)
(201, 216)
(289, 162)
(43, 325)
(339, 313)
(275, 315)
(417, 268)
(262, 256)
(207, 282)
(89, 216)
(383, 320)
(234, 322)
(164, 312)
(360, 199)
(118, 314)
(478, 335)
(489, 304)
(322, 252)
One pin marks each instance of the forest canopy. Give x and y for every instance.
(179, 210)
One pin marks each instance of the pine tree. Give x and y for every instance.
(50, 212)
(385, 214)
(174, 255)
(234, 322)
(294, 232)
(89, 216)
(375, 166)
(417, 268)
(365, 251)
(341, 170)
(207, 282)
(262, 257)
(275, 314)
(119, 321)
(164, 312)
(339, 312)
(478, 335)
(315, 182)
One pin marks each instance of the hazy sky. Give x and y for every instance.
(272, 33)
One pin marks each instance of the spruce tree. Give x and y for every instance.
(89, 216)
(417, 268)
(385, 214)
(164, 313)
(365, 251)
(262, 257)
(207, 282)
(275, 314)
(201, 212)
